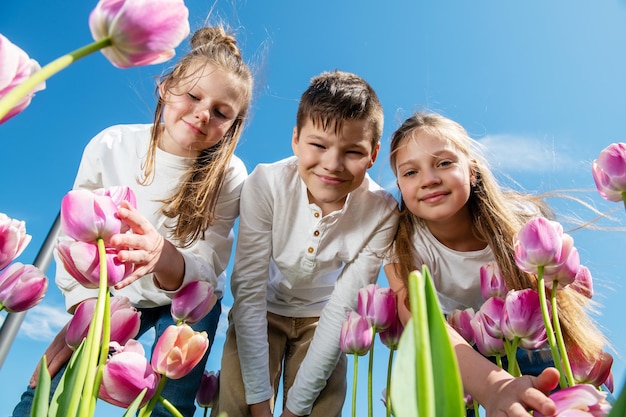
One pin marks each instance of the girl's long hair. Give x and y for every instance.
(497, 215)
(193, 203)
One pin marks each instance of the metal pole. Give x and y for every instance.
(13, 321)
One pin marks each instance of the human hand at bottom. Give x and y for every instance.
(287, 413)
(57, 354)
(515, 396)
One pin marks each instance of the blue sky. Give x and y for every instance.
(541, 84)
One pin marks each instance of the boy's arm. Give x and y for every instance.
(249, 287)
(324, 352)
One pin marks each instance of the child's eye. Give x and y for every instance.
(219, 114)
(409, 173)
(354, 152)
(444, 163)
(191, 96)
(317, 145)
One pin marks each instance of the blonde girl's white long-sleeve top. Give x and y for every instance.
(115, 157)
(291, 261)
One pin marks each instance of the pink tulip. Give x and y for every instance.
(209, 386)
(460, 321)
(609, 172)
(126, 374)
(178, 350)
(125, 321)
(491, 281)
(485, 343)
(16, 68)
(579, 401)
(583, 282)
(595, 371)
(118, 194)
(538, 243)
(82, 261)
(521, 317)
(13, 238)
(142, 32)
(391, 335)
(192, 302)
(378, 305)
(491, 312)
(569, 262)
(21, 287)
(609, 382)
(357, 334)
(87, 216)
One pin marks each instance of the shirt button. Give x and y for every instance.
(316, 214)
(310, 250)
(316, 233)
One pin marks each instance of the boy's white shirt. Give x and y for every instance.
(283, 266)
(115, 157)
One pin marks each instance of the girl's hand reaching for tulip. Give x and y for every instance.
(148, 250)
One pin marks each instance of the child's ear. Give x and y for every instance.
(374, 155)
(294, 141)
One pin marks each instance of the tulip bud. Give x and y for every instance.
(16, 68)
(178, 350)
(521, 317)
(594, 371)
(21, 287)
(126, 373)
(378, 305)
(86, 216)
(391, 335)
(565, 267)
(609, 172)
(118, 194)
(140, 35)
(13, 237)
(485, 343)
(192, 302)
(538, 243)
(583, 282)
(491, 281)
(460, 321)
(491, 311)
(125, 321)
(579, 400)
(209, 387)
(357, 334)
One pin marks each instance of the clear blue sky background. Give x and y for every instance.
(542, 84)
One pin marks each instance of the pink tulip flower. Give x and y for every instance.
(126, 373)
(491, 281)
(565, 274)
(125, 321)
(391, 335)
(538, 243)
(21, 287)
(378, 305)
(460, 321)
(594, 371)
(13, 238)
(178, 350)
(142, 32)
(609, 382)
(118, 194)
(485, 343)
(579, 401)
(87, 216)
(82, 261)
(357, 334)
(583, 282)
(192, 302)
(609, 172)
(16, 68)
(521, 317)
(209, 387)
(491, 312)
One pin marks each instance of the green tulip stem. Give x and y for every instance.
(146, 411)
(388, 387)
(95, 332)
(541, 288)
(370, 409)
(499, 361)
(559, 336)
(1, 307)
(624, 198)
(511, 356)
(170, 407)
(13, 97)
(425, 391)
(355, 375)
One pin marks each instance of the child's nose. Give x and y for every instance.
(202, 113)
(333, 161)
(429, 177)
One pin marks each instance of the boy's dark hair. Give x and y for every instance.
(336, 96)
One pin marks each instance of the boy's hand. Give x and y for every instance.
(261, 409)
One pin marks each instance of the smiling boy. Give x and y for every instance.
(313, 229)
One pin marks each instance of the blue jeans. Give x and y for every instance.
(180, 392)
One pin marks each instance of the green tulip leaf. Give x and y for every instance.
(62, 404)
(425, 381)
(619, 408)
(134, 406)
(42, 392)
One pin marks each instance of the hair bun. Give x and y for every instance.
(216, 36)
